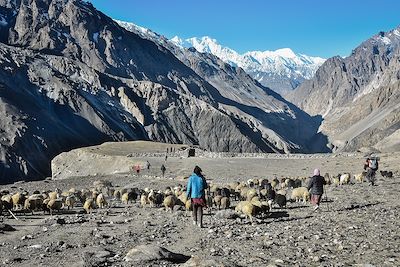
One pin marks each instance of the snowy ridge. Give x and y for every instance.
(282, 70)
(282, 62)
(138, 29)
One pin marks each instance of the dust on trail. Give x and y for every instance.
(357, 225)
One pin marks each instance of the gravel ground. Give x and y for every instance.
(357, 224)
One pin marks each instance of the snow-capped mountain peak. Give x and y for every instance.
(285, 52)
(282, 70)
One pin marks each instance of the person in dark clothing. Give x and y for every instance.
(196, 192)
(371, 165)
(270, 195)
(316, 185)
(163, 169)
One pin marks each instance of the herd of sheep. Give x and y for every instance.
(252, 197)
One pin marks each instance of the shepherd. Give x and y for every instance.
(196, 192)
(316, 185)
(371, 165)
(137, 169)
(163, 169)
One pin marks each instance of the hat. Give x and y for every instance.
(316, 172)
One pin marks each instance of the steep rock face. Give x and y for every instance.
(46, 107)
(275, 122)
(358, 95)
(70, 77)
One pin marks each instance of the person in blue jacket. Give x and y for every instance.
(196, 192)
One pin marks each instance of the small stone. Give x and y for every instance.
(316, 259)
(35, 246)
(229, 234)
(26, 237)
(302, 237)
(60, 221)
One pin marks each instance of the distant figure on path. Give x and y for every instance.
(196, 191)
(137, 169)
(371, 166)
(317, 188)
(166, 157)
(163, 169)
(148, 165)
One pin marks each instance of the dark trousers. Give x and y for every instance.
(371, 175)
(197, 213)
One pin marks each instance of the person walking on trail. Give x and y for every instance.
(163, 169)
(196, 192)
(137, 169)
(148, 165)
(371, 166)
(316, 185)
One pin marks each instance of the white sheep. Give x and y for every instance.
(344, 179)
(18, 200)
(70, 201)
(33, 202)
(101, 201)
(88, 206)
(55, 204)
(169, 202)
(360, 177)
(247, 208)
(300, 193)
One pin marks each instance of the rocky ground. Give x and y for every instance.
(357, 225)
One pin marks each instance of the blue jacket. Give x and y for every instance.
(196, 186)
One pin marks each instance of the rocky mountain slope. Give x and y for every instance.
(281, 70)
(358, 96)
(70, 76)
(245, 98)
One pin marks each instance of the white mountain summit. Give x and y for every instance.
(282, 70)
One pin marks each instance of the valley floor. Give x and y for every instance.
(357, 225)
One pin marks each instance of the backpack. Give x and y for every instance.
(373, 164)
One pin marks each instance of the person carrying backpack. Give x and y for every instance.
(371, 166)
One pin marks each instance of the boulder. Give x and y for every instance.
(196, 261)
(149, 253)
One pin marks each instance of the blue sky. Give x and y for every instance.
(314, 27)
